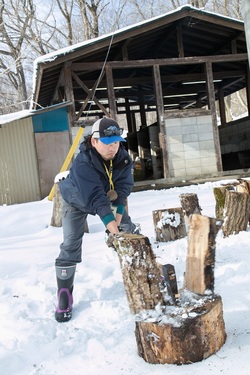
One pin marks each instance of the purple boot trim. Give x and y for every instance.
(64, 300)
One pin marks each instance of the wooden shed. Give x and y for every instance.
(162, 79)
(32, 147)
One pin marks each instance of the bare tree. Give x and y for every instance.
(14, 22)
(66, 9)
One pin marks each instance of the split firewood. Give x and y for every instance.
(199, 275)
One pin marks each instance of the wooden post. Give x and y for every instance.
(237, 206)
(169, 224)
(199, 274)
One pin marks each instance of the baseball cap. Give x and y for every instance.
(107, 130)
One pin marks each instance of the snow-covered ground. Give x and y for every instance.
(100, 337)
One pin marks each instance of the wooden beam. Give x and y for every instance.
(111, 92)
(142, 108)
(38, 88)
(181, 51)
(248, 90)
(128, 115)
(162, 62)
(69, 92)
(211, 105)
(90, 93)
(222, 107)
(57, 95)
(171, 78)
(161, 119)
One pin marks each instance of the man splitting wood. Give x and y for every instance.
(99, 183)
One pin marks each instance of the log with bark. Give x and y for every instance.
(190, 204)
(236, 213)
(188, 331)
(56, 219)
(169, 224)
(243, 186)
(185, 334)
(141, 274)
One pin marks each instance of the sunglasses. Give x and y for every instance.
(112, 130)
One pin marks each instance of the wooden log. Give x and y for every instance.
(169, 224)
(243, 186)
(184, 333)
(199, 275)
(182, 336)
(56, 219)
(190, 204)
(220, 197)
(141, 275)
(237, 207)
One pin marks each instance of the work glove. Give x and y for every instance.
(109, 238)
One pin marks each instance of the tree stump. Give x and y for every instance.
(56, 219)
(199, 275)
(190, 204)
(220, 197)
(184, 333)
(141, 275)
(243, 186)
(237, 206)
(169, 224)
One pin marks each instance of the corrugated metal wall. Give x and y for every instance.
(19, 181)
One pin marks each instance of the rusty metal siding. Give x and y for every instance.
(19, 181)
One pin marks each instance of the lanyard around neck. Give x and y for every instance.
(110, 174)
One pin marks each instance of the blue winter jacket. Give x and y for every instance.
(87, 183)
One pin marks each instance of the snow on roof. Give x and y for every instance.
(49, 57)
(4, 119)
(53, 55)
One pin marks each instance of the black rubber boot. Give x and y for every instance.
(65, 281)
